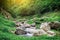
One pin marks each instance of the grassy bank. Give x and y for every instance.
(7, 25)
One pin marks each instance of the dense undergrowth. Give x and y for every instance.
(7, 25)
(30, 7)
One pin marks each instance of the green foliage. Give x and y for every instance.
(37, 6)
(52, 16)
(6, 25)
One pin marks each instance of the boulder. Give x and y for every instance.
(51, 33)
(47, 29)
(55, 25)
(45, 26)
(18, 24)
(20, 32)
(33, 26)
(40, 32)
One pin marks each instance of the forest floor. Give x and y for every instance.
(7, 25)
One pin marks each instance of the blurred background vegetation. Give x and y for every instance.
(30, 7)
(38, 11)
